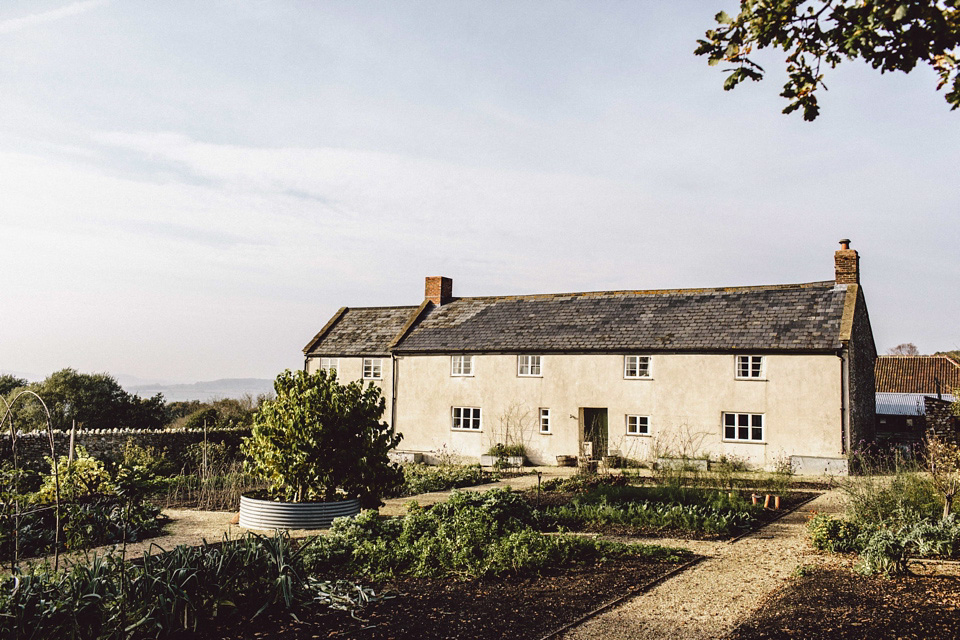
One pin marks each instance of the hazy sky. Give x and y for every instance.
(188, 190)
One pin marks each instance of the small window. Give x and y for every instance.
(372, 368)
(638, 425)
(330, 365)
(636, 366)
(743, 427)
(544, 420)
(466, 418)
(528, 366)
(461, 365)
(749, 367)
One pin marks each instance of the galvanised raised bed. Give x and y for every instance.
(256, 513)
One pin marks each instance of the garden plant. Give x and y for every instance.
(320, 440)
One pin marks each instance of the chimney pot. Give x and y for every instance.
(438, 290)
(845, 244)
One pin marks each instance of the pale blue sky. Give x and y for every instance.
(188, 190)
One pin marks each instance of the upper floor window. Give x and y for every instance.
(466, 418)
(746, 427)
(544, 420)
(372, 368)
(638, 425)
(750, 367)
(636, 366)
(461, 365)
(528, 366)
(330, 364)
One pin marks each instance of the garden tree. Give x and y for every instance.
(8, 383)
(95, 401)
(891, 35)
(905, 349)
(953, 355)
(223, 412)
(321, 440)
(943, 461)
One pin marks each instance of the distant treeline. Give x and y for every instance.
(97, 401)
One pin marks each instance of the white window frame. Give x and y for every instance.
(545, 427)
(461, 366)
(330, 364)
(469, 416)
(755, 366)
(751, 422)
(641, 425)
(373, 368)
(530, 366)
(636, 361)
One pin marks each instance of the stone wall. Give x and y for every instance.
(862, 352)
(940, 419)
(107, 444)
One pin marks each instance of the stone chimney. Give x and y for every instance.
(847, 262)
(439, 290)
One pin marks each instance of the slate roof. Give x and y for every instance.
(916, 374)
(778, 317)
(361, 331)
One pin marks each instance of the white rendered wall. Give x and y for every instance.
(799, 396)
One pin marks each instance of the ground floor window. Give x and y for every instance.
(638, 425)
(746, 427)
(544, 420)
(466, 418)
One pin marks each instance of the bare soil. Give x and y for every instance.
(428, 609)
(838, 604)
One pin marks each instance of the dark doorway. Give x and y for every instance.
(593, 429)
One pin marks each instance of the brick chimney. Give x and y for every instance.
(439, 290)
(847, 263)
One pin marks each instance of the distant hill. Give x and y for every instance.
(205, 391)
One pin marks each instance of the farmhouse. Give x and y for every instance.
(772, 374)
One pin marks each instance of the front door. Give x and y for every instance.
(593, 430)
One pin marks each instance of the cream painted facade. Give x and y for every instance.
(685, 397)
(351, 368)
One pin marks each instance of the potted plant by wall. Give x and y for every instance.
(321, 449)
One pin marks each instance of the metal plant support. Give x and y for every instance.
(14, 436)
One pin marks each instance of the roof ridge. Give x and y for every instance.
(396, 306)
(615, 292)
(919, 355)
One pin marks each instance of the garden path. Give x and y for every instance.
(710, 598)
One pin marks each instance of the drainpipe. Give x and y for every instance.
(845, 398)
(393, 394)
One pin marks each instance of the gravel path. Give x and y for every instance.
(709, 599)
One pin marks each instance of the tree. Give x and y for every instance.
(891, 35)
(905, 349)
(321, 440)
(95, 401)
(8, 383)
(953, 355)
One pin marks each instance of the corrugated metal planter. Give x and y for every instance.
(507, 461)
(267, 514)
